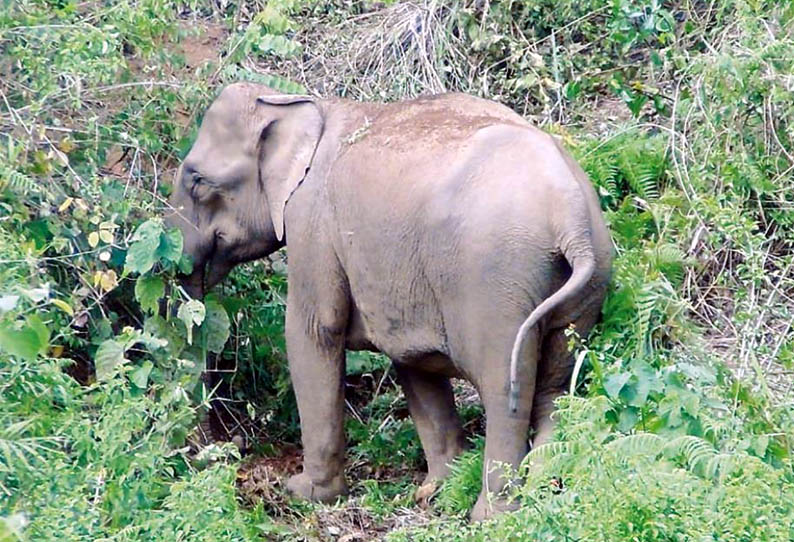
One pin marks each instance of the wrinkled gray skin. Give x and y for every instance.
(429, 230)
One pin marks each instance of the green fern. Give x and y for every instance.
(19, 451)
(721, 464)
(695, 451)
(543, 453)
(17, 182)
(642, 177)
(628, 446)
(236, 73)
(646, 301)
(604, 172)
(460, 489)
(628, 165)
(670, 261)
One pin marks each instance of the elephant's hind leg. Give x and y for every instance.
(432, 406)
(554, 377)
(506, 433)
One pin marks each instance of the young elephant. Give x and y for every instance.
(445, 232)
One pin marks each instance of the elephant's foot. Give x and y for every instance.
(302, 486)
(438, 471)
(425, 492)
(489, 506)
(438, 465)
(435, 477)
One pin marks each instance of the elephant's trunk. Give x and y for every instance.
(184, 215)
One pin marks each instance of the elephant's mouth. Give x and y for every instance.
(203, 276)
(214, 261)
(216, 270)
(206, 275)
(194, 284)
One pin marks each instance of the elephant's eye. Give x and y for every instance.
(194, 183)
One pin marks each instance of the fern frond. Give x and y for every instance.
(459, 490)
(639, 444)
(604, 172)
(643, 163)
(668, 254)
(646, 181)
(695, 451)
(645, 302)
(720, 465)
(17, 182)
(544, 452)
(19, 450)
(670, 261)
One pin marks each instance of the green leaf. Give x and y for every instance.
(41, 330)
(614, 383)
(24, 343)
(140, 377)
(216, 325)
(111, 353)
(151, 342)
(690, 402)
(148, 292)
(63, 305)
(158, 327)
(627, 419)
(170, 248)
(142, 253)
(185, 264)
(191, 312)
(647, 381)
(108, 356)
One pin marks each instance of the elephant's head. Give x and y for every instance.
(253, 149)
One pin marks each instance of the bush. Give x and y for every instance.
(597, 485)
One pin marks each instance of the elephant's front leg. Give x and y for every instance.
(315, 348)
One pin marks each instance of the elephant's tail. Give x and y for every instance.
(583, 264)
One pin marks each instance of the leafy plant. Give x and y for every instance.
(459, 492)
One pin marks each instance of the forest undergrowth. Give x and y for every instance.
(680, 422)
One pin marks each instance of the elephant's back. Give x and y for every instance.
(442, 118)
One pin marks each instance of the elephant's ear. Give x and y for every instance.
(287, 149)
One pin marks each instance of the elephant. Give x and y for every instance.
(445, 232)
